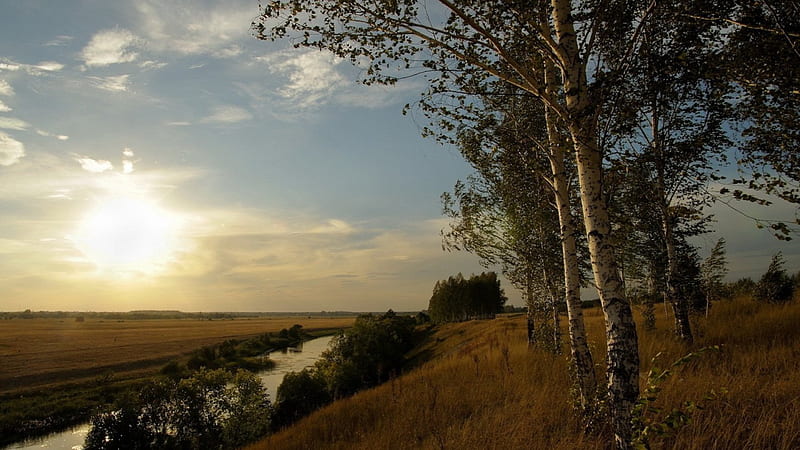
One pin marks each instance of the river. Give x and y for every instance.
(290, 360)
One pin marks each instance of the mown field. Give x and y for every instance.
(35, 353)
(482, 387)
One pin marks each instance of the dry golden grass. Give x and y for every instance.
(38, 352)
(483, 388)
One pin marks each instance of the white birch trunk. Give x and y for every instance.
(621, 339)
(579, 348)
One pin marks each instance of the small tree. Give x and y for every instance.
(775, 286)
(713, 270)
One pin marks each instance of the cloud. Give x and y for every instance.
(60, 137)
(110, 47)
(49, 66)
(179, 123)
(6, 89)
(4, 107)
(190, 27)
(228, 52)
(228, 114)
(127, 163)
(117, 83)
(312, 75)
(333, 226)
(32, 69)
(59, 41)
(153, 65)
(12, 123)
(11, 150)
(316, 78)
(94, 165)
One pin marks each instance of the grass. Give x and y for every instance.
(478, 385)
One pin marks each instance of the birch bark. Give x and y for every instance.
(579, 348)
(622, 343)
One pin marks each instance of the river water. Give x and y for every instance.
(291, 360)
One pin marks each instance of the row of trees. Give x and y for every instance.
(456, 298)
(615, 113)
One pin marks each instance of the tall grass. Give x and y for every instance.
(482, 387)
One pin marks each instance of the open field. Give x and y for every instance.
(482, 387)
(41, 352)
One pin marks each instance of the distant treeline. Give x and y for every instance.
(457, 299)
(160, 314)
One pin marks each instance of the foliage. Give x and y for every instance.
(646, 425)
(368, 353)
(299, 394)
(713, 270)
(211, 409)
(456, 298)
(775, 286)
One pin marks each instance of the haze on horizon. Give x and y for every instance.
(154, 155)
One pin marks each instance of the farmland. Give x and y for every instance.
(35, 353)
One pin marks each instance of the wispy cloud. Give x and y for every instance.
(11, 150)
(188, 27)
(312, 75)
(60, 137)
(31, 69)
(152, 65)
(6, 89)
(119, 83)
(59, 41)
(228, 114)
(4, 107)
(110, 47)
(314, 78)
(179, 123)
(93, 165)
(12, 123)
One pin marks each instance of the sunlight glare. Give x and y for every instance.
(124, 234)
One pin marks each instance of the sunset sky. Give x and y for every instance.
(155, 155)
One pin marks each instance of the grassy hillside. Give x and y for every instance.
(481, 387)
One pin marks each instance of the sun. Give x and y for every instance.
(127, 234)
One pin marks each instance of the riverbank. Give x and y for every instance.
(71, 388)
(478, 385)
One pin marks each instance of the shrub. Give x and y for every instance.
(299, 394)
(212, 409)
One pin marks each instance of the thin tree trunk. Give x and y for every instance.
(579, 347)
(621, 339)
(531, 318)
(556, 326)
(679, 307)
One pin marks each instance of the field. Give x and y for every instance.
(480, 386)
(36, 353)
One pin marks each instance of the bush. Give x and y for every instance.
(299, 394)
(775, 286)
(212, 409)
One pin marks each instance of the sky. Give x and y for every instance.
(155, 155)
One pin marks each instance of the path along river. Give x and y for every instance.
(286, 361)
